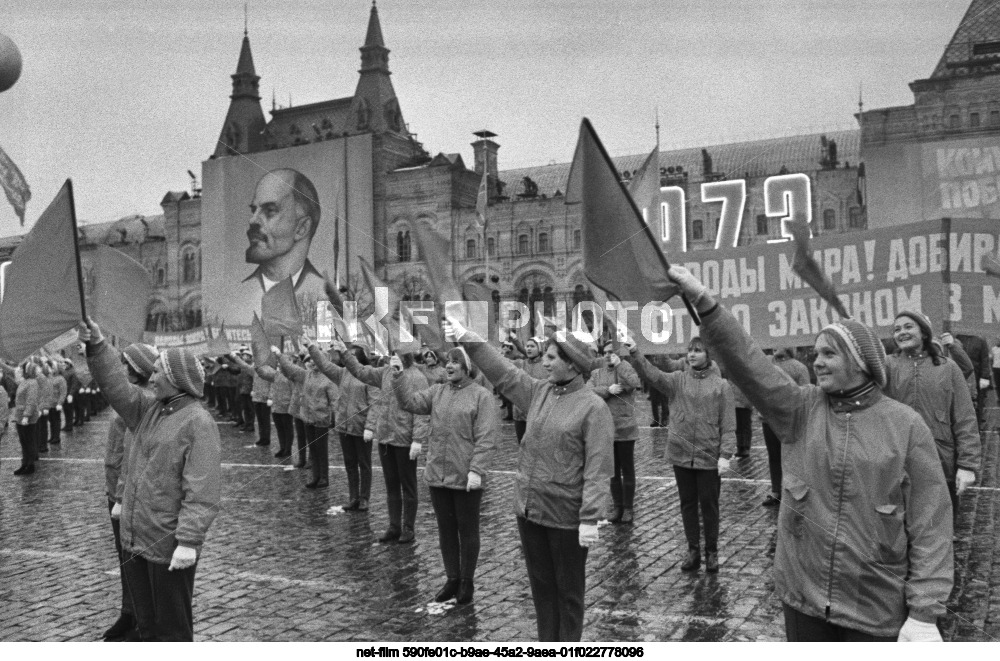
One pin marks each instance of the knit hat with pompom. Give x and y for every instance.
(183, 369)
(865, 348)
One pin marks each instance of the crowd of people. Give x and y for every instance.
(868, 453)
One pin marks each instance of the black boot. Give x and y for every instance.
(407, 536)
(711, 562)
(615, 515)
(449, 590)
(409, 520)
(692, 561)
(627, 516)
(390, 535)
(120, 629)
(465, 590)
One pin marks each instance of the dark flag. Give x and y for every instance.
(121, 291)
(260, 343)
(14, 185)
(218, 345)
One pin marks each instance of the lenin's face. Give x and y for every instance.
(277, 222)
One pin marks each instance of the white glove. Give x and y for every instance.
(474, 481)
(270, 403)
(963, 480)
(116, 511)
(184, 557)
(59, 407)
(396, 363)
(69, 399)
(24, 422)
(45, 412)
(369, 435)
(454, 322)
(915, 631)
(588, 534)
(275, 350)
(723, 464)
(414, 450)
(947, 339)
(629, 345)
(615, 389)
(984, 384)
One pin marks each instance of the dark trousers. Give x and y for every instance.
(457, 513)
(42, 433)
(317, 438)
(400, 473)
(55, 425)
(358, 462)
(300, 437)
(557, 572)
(519, 427)
(29, 446)
(802, 628)
(955, 502)
(117, 529)
(247, 408)
(161, 599)
(658, 404)
(263, 414)
(623, 483)
(80, 408)
(508, 408)
(285, 428)
(221, 400)
(699, 488)
(773, 444)
(235, 410)
(210, 395)
(744, 430)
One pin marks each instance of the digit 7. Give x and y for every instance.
(789, 196)
(733, 195)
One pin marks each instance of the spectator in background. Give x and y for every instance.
(799, 373)
(25, 414)
(979, 354)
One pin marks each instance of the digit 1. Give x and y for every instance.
(788, 196)
(673, 223)
(733, 195)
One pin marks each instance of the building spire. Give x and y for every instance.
(246, 21)
(245, 118)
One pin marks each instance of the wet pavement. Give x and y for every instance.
(277, 567)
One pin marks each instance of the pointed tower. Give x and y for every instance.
(375, 107)
(241, 132)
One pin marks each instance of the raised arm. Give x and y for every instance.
(651, 374)
(292, 372)
(366, 374)
(266, 372)
(326, 366)
(511, 382)
(418, 402)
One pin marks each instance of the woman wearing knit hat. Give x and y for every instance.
(464, 428)
(701, 440)
(864, 546)
(172, 482)
(139, 361)
(25, 414)
(564, 466)
(933, 385)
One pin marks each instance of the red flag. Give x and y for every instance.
(280, 310)
(14, 185)
(481, 199)
(120, 296)
(42, 290)
(645, 188)
(474, 291)
(219, 344)
(386, 310)
(435, 248)
(260, 344)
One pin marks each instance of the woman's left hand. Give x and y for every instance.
(184, 557)
(915, 631)
(589, 534)
(473, 481)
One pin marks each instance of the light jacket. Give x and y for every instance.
(622, 405)
(46, 393)
(465, 426)
(394, 425)
(864, 529)
(355, 396)
(566, 456)
(173, 474)
(59, 390)
(939, 394)
(281, 388)
(702, 413)
(318, 399)
(26, 402)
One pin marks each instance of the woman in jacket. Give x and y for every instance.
(864, 534)
(58, 383)
(464, 428)
(564, 465)
(25, 415)
(46, 393)
(399, 435)
(701, 439)
(316, 408)
(616, 382)
(173, 482)
(280, 395)
(431, 368)
(932, 385)
(351, 422)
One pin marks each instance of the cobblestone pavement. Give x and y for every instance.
(277, 567)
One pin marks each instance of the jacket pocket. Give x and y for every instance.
(890, 547)
(793, 508)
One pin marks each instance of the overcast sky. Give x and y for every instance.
(125, 96)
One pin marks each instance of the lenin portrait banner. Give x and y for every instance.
(270, 216)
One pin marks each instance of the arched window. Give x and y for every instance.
(470, 249)
(829, 219)
(403, 246)
(522, 244)
(581, 294)
(491, 247)
(697, 231)
(189, 265)
(543, 242)
(576, 239)
(761, 224)
(161, 276)
(854, 219)
(548, 302)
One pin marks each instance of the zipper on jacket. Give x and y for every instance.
(836, 528)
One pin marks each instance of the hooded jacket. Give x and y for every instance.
(566, 456)
(172, 468)
(864, 529)
(394, 425)
(622, 405)
(319, 397)
(702, 412)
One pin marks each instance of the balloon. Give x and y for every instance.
(10, 63)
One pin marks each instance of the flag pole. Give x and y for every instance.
(76, 250)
